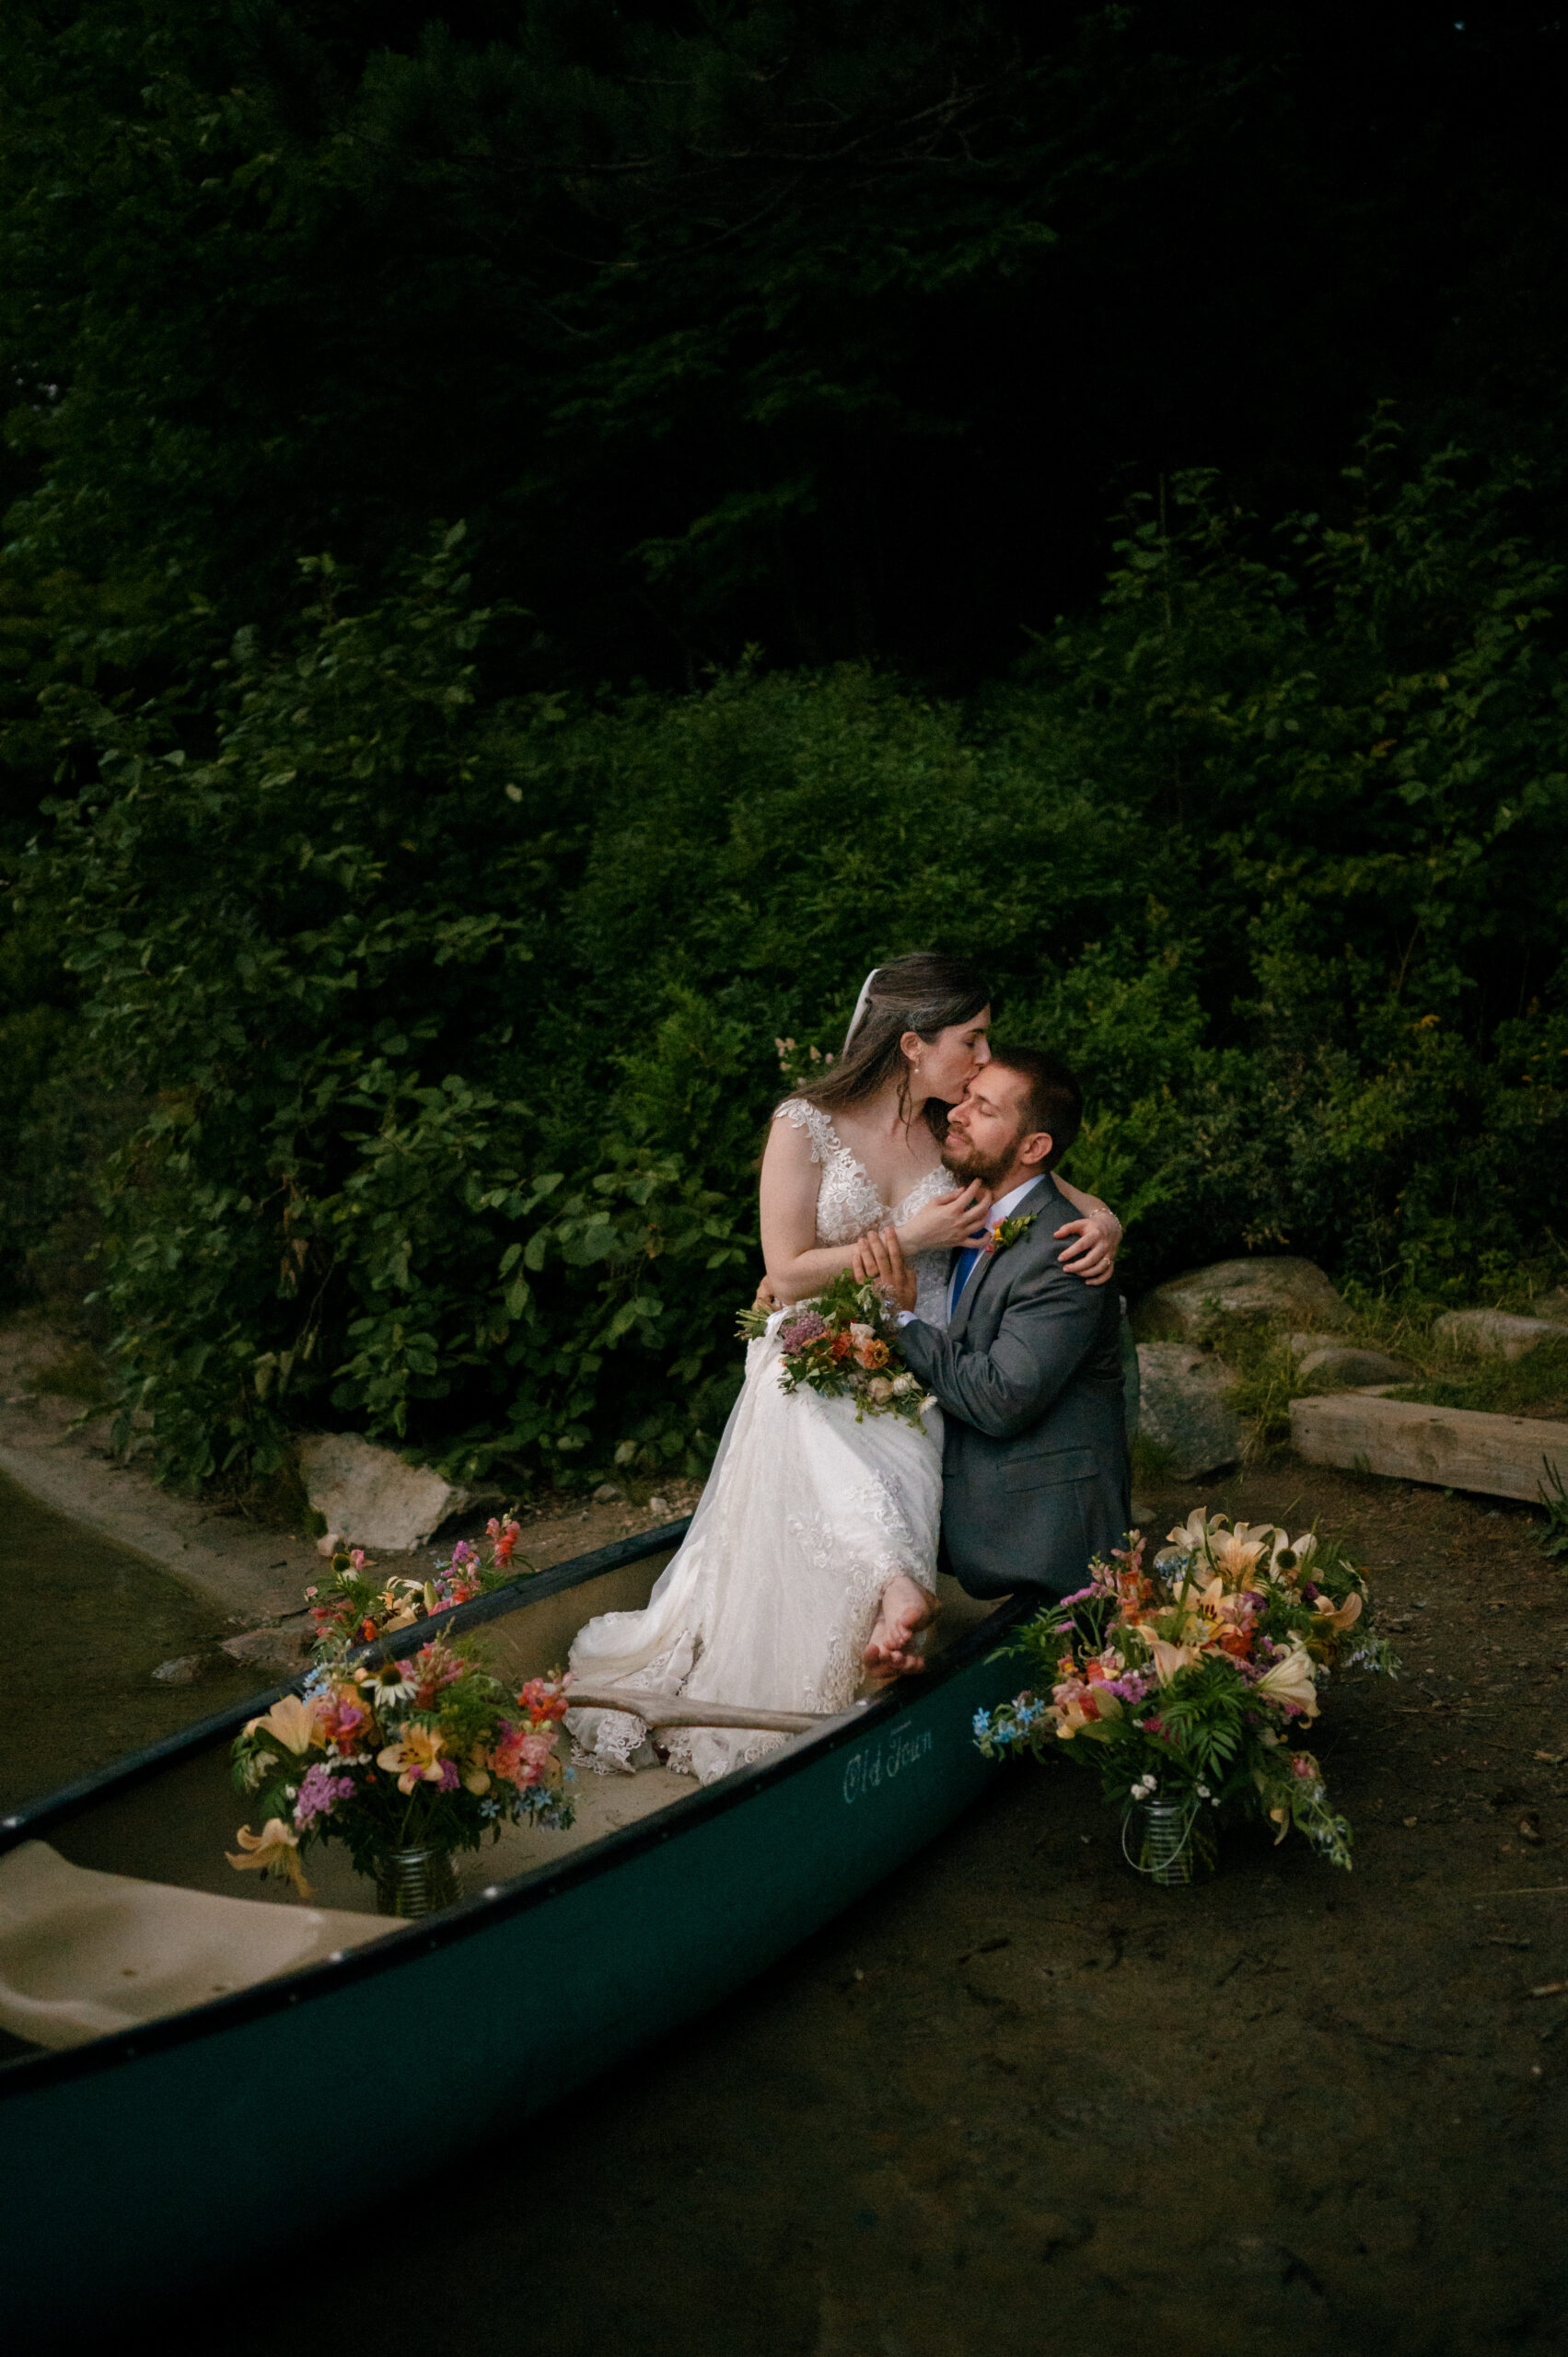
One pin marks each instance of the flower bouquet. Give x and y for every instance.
(357, 1609)
(399, 1759)
(1188, 1683)
(843, 1344)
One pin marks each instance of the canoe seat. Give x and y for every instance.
(84, 1954)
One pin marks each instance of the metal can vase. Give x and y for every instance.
(1157, 1840)
(415, 1882)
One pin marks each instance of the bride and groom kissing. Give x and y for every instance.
(923, 1162)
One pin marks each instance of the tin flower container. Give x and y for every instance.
(418, 1881)
(1167, 1841)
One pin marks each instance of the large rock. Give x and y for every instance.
(1341, 1366)
(1496, 1334)
(283, 1651)
(369, 1497)
(1258, 1291)
(1183, 1411)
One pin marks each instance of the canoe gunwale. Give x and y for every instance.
(26, 1823)
(30, 2074)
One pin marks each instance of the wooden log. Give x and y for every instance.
(674, 1711)
(1456, 1448)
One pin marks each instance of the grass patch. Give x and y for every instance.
(1151, 1463)
(1536, 1384)
(1552, 1535)
(1264, 1378)
(1267, 1375)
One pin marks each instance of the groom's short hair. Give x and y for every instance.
(1053, 1099)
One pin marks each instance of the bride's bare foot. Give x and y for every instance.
(904, 1610)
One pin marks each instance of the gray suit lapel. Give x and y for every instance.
(1032, 1203)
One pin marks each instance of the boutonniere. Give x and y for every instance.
(1007, 1231)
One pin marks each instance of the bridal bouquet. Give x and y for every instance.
(399, 1755)
(1189, 1682)
(844, 1344)
(357, 1609)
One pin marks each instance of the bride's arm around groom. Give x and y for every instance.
(1028, 1369)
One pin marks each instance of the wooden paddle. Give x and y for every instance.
(673, 1711)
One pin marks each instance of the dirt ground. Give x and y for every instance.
(1019, 2097)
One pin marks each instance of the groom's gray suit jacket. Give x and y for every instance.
(1035, 1475)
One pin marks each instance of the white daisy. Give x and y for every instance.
(389, 1684)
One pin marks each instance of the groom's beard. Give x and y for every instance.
(967, 1165)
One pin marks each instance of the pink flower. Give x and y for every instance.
(506, 1535)
(342, 1721)
(542, 1698)
(434, 1667)
(522, 1756)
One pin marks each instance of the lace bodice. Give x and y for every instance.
(847, 1203)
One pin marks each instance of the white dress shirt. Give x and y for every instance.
(999, 1211)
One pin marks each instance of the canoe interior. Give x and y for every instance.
(174, 1824)
(487, 2015)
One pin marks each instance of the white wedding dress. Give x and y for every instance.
(806, 1517)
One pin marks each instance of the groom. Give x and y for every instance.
(1028, 1368)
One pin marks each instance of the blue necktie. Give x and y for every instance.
(968, 1254)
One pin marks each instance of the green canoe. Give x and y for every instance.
(139, 2159)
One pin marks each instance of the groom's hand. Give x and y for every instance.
(879, 1260)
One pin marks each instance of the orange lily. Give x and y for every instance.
(289, 1721)
(275, 1850)
(417, 1758)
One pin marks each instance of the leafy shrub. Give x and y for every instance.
(454, 1015)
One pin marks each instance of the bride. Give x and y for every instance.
(811, 1560)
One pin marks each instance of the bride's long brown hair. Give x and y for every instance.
(922, 992)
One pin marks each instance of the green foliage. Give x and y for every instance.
(1353, 772)
(314, 952)
(1551, 1535)
(818, 323)
(426, 1008)
(1535, 1385)
(451, 1015)
(664, 299)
